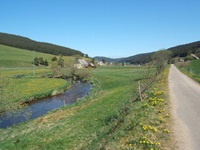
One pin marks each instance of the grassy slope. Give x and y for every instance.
(11, 57)
(191, 69)
(83, 125)
(194, 67)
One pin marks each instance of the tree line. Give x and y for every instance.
(28, 44)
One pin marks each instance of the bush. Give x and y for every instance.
(83, 73)
(188, 58)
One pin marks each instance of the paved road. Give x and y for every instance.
(185, 100)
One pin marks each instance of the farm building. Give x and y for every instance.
(81, 63)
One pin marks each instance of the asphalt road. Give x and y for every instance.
(185, 100)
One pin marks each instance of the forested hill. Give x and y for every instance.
(139, 59)
(28, 44)
(181, 51)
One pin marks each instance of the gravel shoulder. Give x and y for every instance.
(185, 101)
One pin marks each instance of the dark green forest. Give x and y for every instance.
(184, 50)
(28, 44)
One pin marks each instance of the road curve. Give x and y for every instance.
(185, 100)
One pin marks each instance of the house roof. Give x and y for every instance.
(83, 62)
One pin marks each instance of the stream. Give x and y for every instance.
(40, 107)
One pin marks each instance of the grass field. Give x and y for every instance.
(106, 119)
(94, 122)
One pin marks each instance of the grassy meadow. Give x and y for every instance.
(20, 82)
(109, 118)
(106, 119)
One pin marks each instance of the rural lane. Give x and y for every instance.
(185, 102)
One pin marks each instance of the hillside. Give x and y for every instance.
(100, 58)
(139, 59)
(11, 57)
(14, 57)
(180, 50)
(28, 44)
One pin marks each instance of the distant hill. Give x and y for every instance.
(100, 58)
(28, 44)
(139, 59)
(180, 50)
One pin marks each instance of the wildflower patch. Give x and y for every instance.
(147, 125)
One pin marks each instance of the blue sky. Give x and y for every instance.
(112, 28)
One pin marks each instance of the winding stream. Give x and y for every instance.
(40, 107)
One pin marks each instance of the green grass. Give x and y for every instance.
(106, 119)
(194, 67)
(26, 89)
(20, 81)
(191, 69)
(11, 57)
(84, 124)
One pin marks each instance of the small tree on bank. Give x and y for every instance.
(160, 58)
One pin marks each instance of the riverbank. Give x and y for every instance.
(40, 107)
(23, 90)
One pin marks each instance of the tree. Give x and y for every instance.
(41, 61)
(93, 61)
(160, 57)
(46, 63)
(56, 69)
(54, 58)
(188, 58)
(197, 52)
(86, 56)
(36, 61)
(189, 52)
(61, 62)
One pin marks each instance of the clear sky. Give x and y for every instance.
(112, 28)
